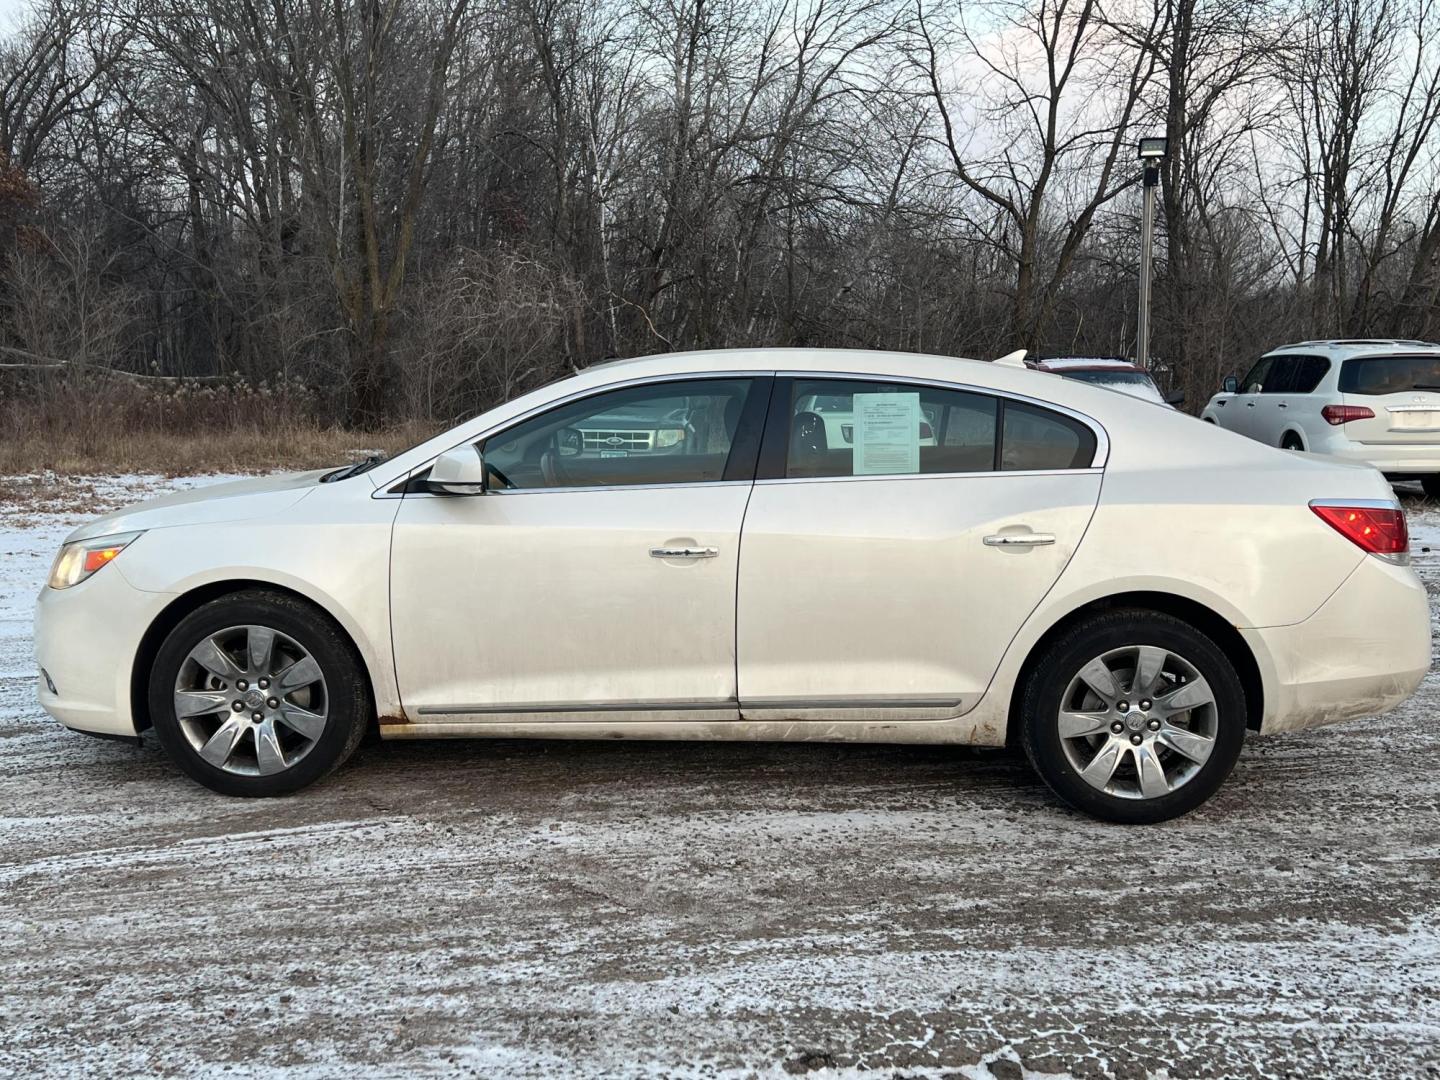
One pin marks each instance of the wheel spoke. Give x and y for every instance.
(260, 645)
(1189, 696)
(1074, 725)
(190, 703)
(1099, 678)
(221, 745)
(303, 721)
(1186, 743)
(1153, 783)
(210, 656)
(1102, 765)
(268, 755)
(1149, 661)
(299, 674)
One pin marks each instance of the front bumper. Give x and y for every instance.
(86, 638)
(1364, 652)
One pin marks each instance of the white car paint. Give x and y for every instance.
(1402, 438)
(854, 608)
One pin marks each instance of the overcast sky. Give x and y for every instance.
(10, 13)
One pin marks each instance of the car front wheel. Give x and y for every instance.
(257, 694)
(1133, 716)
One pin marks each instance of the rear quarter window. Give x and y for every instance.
(1389, 374)
(1036, 438)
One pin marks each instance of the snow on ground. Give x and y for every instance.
(629, 909)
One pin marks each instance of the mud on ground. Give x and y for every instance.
(623, 909)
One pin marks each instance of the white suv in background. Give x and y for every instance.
(1371, 401)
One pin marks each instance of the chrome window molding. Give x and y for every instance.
(384, 488)
(1091, 471)
(510, 493)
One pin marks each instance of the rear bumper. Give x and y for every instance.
(1364, 652)
(1398, 459)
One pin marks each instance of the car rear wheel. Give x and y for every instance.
(1431, 484)
(1133, 716)
(1291, 441)
(257, 694)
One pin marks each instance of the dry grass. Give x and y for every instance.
(235, 428)
(88, 452)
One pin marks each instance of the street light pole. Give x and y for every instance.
(1152, 152)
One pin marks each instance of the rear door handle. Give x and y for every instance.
(1249, 404)
(1019, 539)
(683, 553)
(1281, 405)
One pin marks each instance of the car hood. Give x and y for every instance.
(234, 500)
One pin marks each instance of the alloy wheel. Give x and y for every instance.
(251, 700)
(1138, 722)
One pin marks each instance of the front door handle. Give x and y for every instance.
(683, 553)
(1249, 404)
(1019, 539)
(1281, 405)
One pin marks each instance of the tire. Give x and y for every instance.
(1291, 441)
(1190, 769)
(289, 708)
(1431, 484)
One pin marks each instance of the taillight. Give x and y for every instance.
(1376, 528)
(1343, 414)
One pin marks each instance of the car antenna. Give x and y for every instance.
(1014, 359)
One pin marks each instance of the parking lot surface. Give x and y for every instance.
(688, 909)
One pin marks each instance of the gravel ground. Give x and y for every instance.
(632, 909)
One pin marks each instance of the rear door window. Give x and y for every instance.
(1308, 373)
(871, 428)
(861, 428)
(1281, 377)
(1390, 374)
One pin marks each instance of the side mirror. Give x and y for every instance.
(458, 471)
(1231, 385)
(1175, 397)
(569, 442)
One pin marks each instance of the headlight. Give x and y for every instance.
(79, 560)
(666, 437)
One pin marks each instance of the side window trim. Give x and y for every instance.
(776, 442)
(744, 456)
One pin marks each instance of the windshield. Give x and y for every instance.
(1390, 374)
(1135, 383)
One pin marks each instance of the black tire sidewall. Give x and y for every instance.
(347, 701)
(1081, 644)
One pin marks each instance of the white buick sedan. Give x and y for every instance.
(680, 547)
